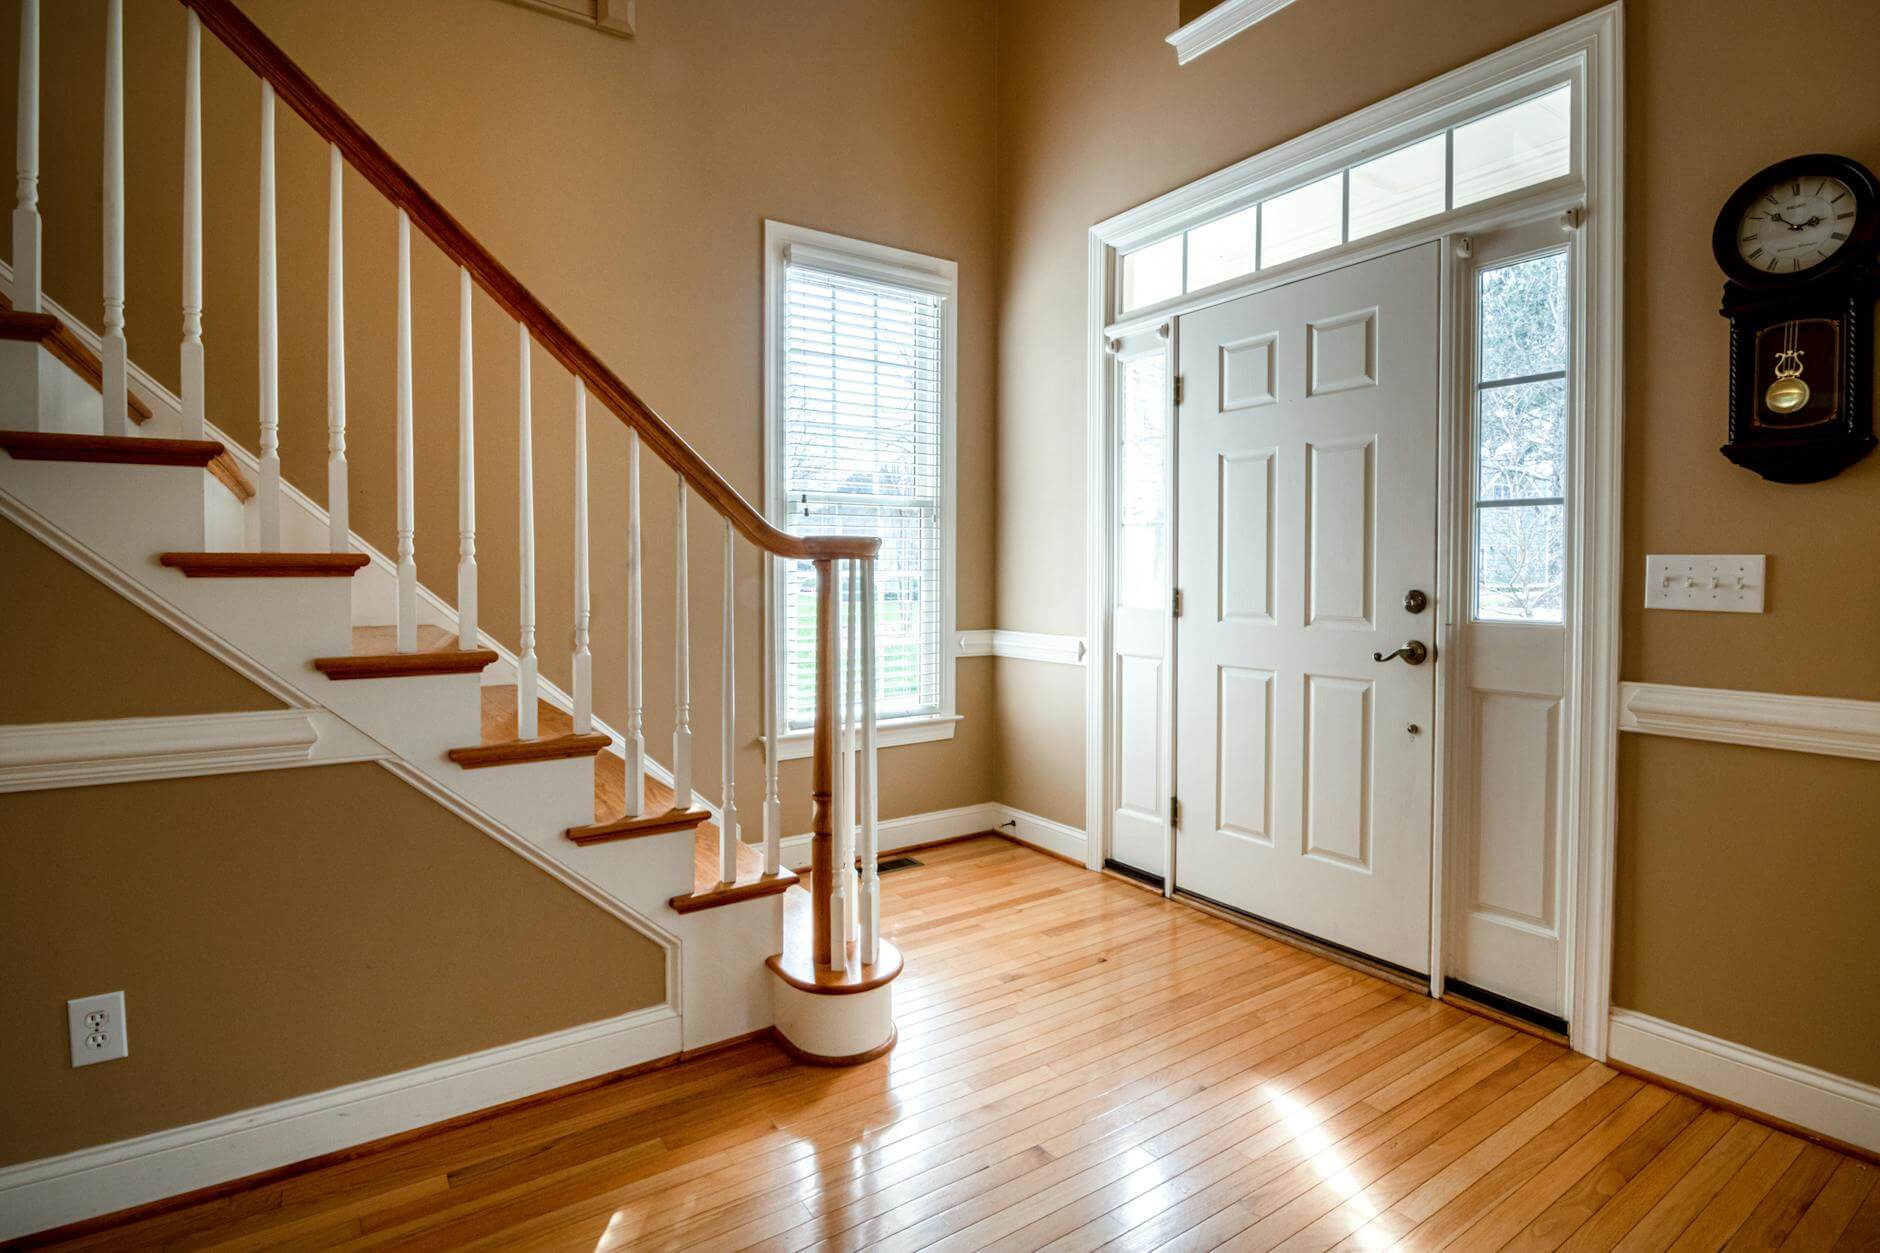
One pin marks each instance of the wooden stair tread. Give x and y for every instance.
(751, 884)
(133, 450)
(555, 738)
(657, 815)
(60, 340)
(796, 964)
(266, 565)
(375, 655)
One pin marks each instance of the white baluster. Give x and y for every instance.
(192, 371)
(268, 489)
(773, 727)
(116, 385)
(842, 856)
(583, 659)
(467, 631)
(851, 677)
(338, 493)
(728, 824)
(871, 851)
(407, 507)
(636, 721)
(526, 678)
(27, 227)
(682, 669)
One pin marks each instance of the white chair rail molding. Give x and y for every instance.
(1801, 724)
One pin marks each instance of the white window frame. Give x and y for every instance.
(881, 263)
(1588, 201)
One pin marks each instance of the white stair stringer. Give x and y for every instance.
(123, 516)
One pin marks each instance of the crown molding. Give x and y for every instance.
(1220, 24)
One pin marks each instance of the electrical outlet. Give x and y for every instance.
(1704, 583)
(96, 1025)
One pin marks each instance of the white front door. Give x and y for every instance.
(1307, 513)
(1140, 692)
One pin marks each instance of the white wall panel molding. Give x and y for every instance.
(1023, 646)
(1801, 724)
(1220, 24)
(41, 755)
(1828, 1104)
(57, 1190)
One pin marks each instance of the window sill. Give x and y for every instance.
(798, 744)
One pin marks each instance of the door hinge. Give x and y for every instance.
(1178, 389)
(1176, 606)
(1174, 811)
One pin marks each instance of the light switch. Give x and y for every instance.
(1705, 583)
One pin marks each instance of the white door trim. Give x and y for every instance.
(1592, 45)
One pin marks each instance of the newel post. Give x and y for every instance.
(822, 766)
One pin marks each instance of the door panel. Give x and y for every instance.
(1306, 509)
(1506, 845)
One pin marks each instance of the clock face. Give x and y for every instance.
(1796, 224)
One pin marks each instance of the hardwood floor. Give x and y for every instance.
(1082, 1065)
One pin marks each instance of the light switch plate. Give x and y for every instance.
(97, 1028)
(1710, 584)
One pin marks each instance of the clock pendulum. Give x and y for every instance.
(1790, 391)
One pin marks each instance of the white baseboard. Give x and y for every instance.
(1828, 1104)
(54, 1191)
(947, 824)
(1052, 837)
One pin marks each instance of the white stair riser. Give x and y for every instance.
(422, 717)
(44, 394)
(128, 514)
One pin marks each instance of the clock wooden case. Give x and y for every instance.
(1797, 245)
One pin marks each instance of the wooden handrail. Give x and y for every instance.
(292, 85)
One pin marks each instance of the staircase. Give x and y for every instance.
(137, 480)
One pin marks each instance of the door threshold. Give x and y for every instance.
(1506, 1010)
(1130, 872)
(1377, 968)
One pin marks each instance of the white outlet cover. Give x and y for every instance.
(96, 1025)
(1705, 583)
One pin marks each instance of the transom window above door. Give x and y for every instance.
(1501, 150)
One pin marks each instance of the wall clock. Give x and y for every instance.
(1796, 243)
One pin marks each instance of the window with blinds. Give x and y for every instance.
(862, 414)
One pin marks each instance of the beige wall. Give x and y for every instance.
(275, 934)
(1097, 117)
(626, 181)
(134, 667)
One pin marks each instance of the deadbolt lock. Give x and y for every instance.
(1415, 601)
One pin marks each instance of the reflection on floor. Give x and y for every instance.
(1084, 1065)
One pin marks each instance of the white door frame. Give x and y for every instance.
(1589, 201)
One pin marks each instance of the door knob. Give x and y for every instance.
(1415, 600)
(1415, 653)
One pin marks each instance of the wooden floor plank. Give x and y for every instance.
(1081, 1065)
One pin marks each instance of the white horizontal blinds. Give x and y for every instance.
(863, 406)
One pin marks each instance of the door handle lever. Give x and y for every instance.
(1415, 653)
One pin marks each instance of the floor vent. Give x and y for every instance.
(896, 863)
